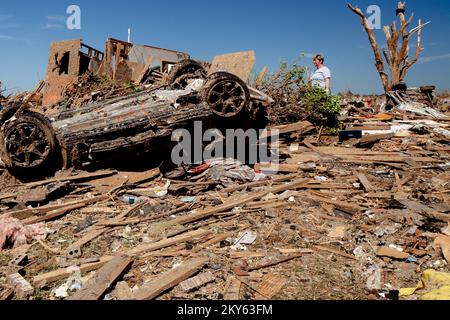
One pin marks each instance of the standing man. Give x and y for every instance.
(322, 76)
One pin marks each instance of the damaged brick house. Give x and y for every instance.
(122, 61)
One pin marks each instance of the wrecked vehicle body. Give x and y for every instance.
(136, 123)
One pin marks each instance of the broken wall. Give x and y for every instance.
(67, 61)
(62, 70)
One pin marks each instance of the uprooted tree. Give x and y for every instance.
(397, 52)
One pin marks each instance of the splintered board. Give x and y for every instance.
(271, 284)
(240, 64)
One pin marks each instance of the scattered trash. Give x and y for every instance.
(374, 278)
(132, 199)
(73, 283)
(246, 238)
(230, 170)
(188, 199)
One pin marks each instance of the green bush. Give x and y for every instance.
(322, 109)
(295, 100)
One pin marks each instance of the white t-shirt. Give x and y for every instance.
(319, 76)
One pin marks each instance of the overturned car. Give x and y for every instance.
(140, 122)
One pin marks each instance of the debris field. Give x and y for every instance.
(359, 215)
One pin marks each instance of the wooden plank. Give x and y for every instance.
(170, 279)
(144, 70)
(391, 253)
(240, 64)
(368, 127)
(420, 208)
(365, 182)
(271, 284)
(168, 242)
(197, 281)
(271, 264)
(302, 127)
(335, 251)
(371, 138)
(283, 168)
(7, 196)
(216, 239)
(258, 183)
(144, 176)
(232, 289)
(7, 294)
(339, 204)
(103, 279)
(337, 151)
(53, 214)
(380, 195)
(392, 159)
(56, 275)
(261, 75)
(85, 176)
(25, 213)
(230, 204)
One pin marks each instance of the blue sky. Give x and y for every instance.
(277, 30)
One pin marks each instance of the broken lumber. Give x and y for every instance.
(22, 288)
(26, 213)
(271, 264)
(7, 294)
(53, 214)
(168, 242)
(392, 253)
(103, 279)
(271, 284)
(372, 138)
(52, 276)
(239, 202)
(170, 279)
(335, 251)
(232, 289)
(251, 185)
(85, 176)
(417, 207)
(301, 127)
(197, 281)
(365, 182)
(339, 204)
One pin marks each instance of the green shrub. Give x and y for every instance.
(322, 109)
(295, 100)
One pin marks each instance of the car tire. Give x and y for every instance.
(226, 94)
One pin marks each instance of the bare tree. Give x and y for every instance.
(397, 53)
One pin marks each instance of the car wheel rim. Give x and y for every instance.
(27, 145)
(227, 98)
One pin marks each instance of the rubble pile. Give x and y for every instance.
(361, 214)
(348, 217)
(90, 88)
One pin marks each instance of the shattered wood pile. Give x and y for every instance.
(359, 218)
(90, 88)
